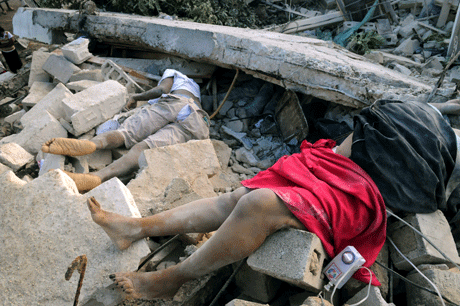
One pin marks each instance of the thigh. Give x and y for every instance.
(265, 204)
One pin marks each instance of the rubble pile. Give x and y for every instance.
(70, 92)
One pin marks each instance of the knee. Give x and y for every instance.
(256, 203)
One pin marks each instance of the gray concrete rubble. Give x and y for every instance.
(36, 92)
(293, 256)
(446, 280)
(14, 156)
(374, 297)
(303, 64)
(415, 247)
(60, 68)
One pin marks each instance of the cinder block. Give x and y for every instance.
(447, 281)
(14, 156)
(15, 116)
(435, 227)
(37, 91)
(368, 26)
(111, 71)
(95, 105)
(374, 299)
(256, 285)
(50, 162)
(60, 67)
(293, 256)
(78, 86)
(77, 51)
(37, 74)
(86, 74)
(52, 103)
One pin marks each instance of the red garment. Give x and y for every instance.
(333, 197)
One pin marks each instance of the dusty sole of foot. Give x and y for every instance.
(69, 147)
(84, 182)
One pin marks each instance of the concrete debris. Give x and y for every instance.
(288, 88)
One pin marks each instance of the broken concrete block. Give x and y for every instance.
(160, 166)
(37, 74)
(51, 162)
(33, 136)
(52, 103)
(4, 168)
(99, 159)
(60, 68)
(95, 105)
(78, 86)
(15, 116)
(416, 248)
(447, 282)
(408, 30)
(239, 302)
(37, 91)
(77, 51)
(14, 156)
(402, 69)
(59, 229)
(85, 74)
(374, 299)
(245, 156)
(256, 285)
(80, 164)
(316, 301)
(223, 152)
(407, 47)
(111, 71)
(293, 256)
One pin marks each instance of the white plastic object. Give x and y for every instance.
(343, 266)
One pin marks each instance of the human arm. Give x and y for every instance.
(163, 88)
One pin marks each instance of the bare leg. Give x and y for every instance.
(124, 165)
(451, 107)
(199, 216)
(78, 147)
(345, 147)
(256, 215)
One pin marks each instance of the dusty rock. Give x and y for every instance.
(51, 223)
(37, 91)
(160, 166)
(37, 74)
(14, 156)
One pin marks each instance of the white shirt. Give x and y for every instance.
(181, 81)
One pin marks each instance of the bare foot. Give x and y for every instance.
(148, 285)
(121, 230)
(84, 181)
(69, 146)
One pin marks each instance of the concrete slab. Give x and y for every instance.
(37, 74)
(306, 65)
(37, 91)
(4, 168)
(78, 86)
(51, 103)
(77, 51)
(93, 106)
(32, 137)
(45, 226)
(14, 156)
(193, 161)
(60, 68)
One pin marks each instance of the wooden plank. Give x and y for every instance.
(455, 37)
(309, 23)
(342, 9)
(432, 28)
(389, 9)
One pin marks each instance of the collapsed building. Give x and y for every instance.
(73, 93)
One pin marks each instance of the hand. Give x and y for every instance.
(131, 103)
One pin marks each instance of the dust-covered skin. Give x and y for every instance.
(451, 107)
(69, 147)
(84, 181)
(243, 219)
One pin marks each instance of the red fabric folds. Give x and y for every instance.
(333, 197)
